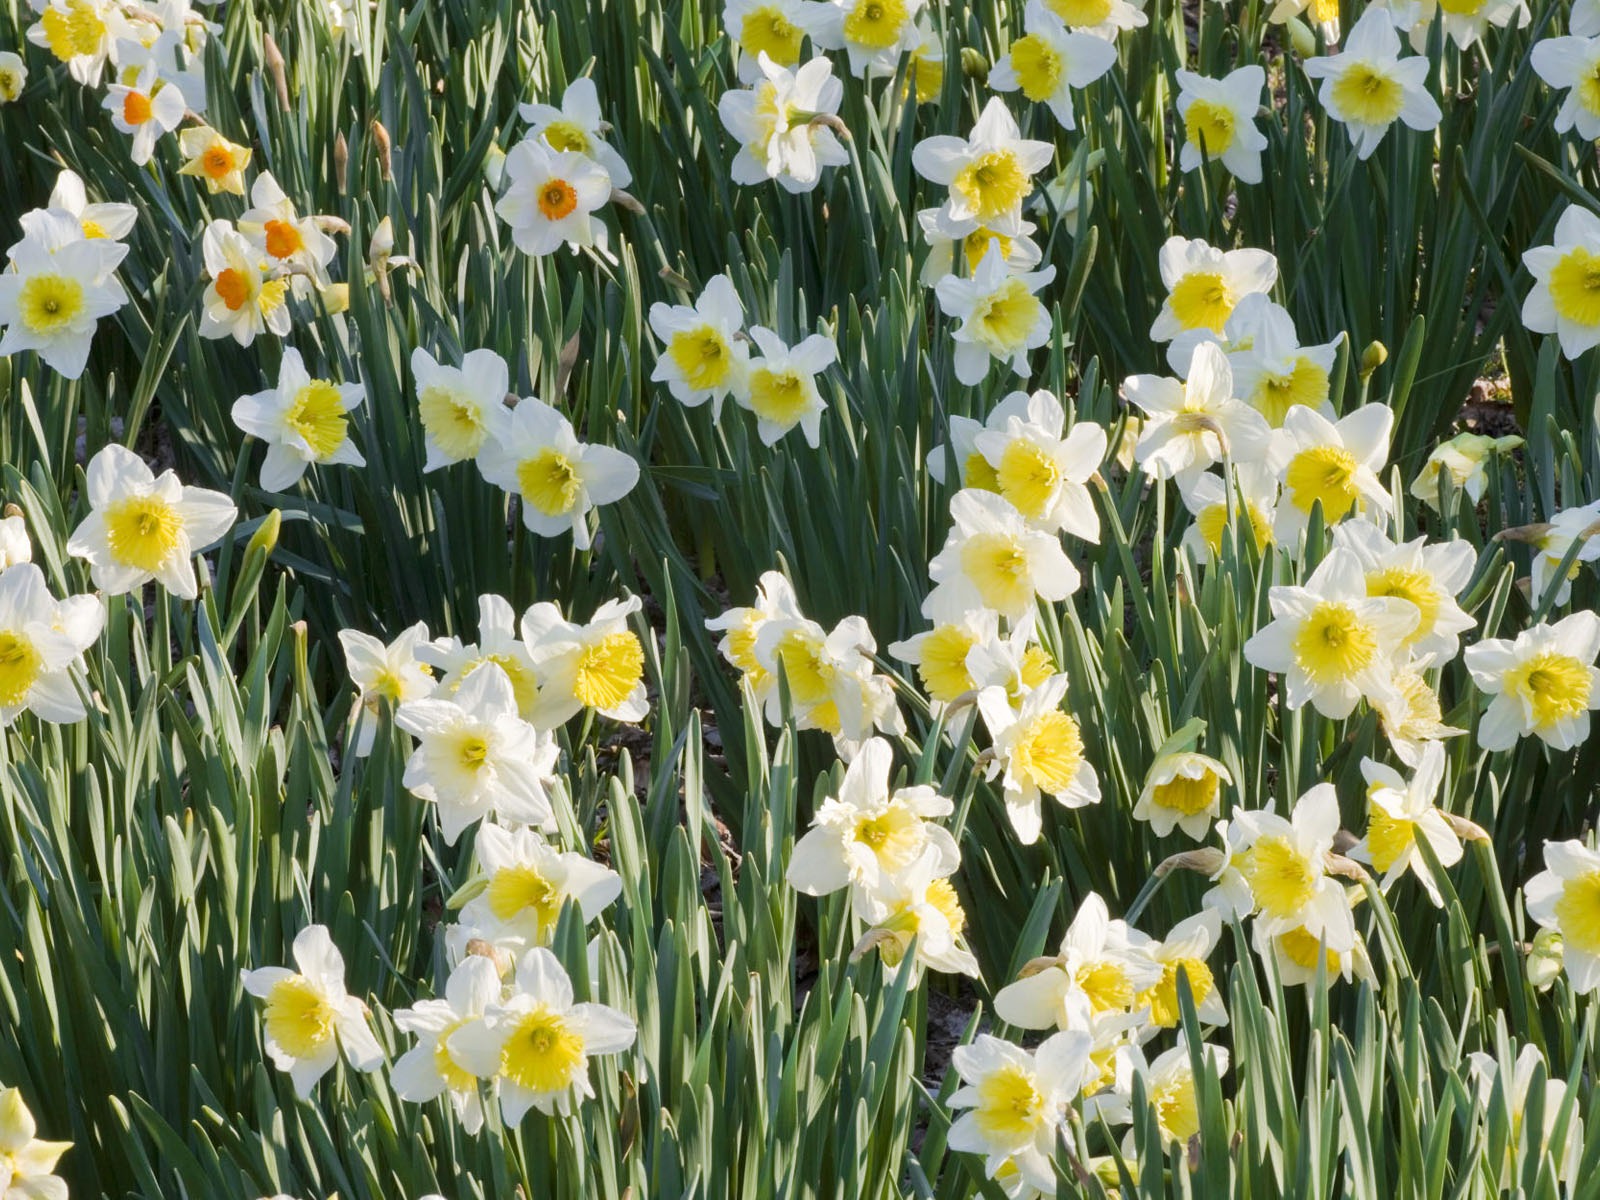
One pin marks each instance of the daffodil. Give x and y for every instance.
(830, 679)
(1208, 499)
(1411, 718)
(1001, 318)
(782, 124)
(1334, 464)
(209, 156)
(940, 654)
(1464, 21)
(500, 642)
(382, 673)
(702, 356)
(925, 63)
(874, 34)
(1554, 540)
(946, 236)
(741, 627)
(1543, 682)
(1182, 789)
(558, 478)
(577, 126)
(537, 1042)
(526, 883)
(1464, 459)
(1184, 952)
(55, 290)
(14, 544)
(296, 244)
(917, 907)
(1037, 751)
(1017, 1101)
(1298, 955)
(1172, 1091)
(13, 76)
(247, 295)
(83, 34)
(1101, 966)
(1204, 284)
(776, 28)
(95, 221)
(1191, 425)
(309, 1018)
(867, 833)
(1219, 121)
(429, 1070)
(972, 469)
(142, 526)
(1103, 18)
(1272, 371)
(1368, 86)
(781, 386)
(1399, 812)
(1429, 576)
(145, 107)
(1512, 1079)
(1584, 19)
(1565, 297)
(462, 408)
(343, 19)
(304, 421)
(994, 559)
(551, 197)
(1572, 64)
(989, 173)
(28, 1163)
(475, 755)
(1044, 472)
(1332, 642)
(1049, 60)
(1565, 896)
(597, 665)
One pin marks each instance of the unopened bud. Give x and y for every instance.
(1301, 38)
(380, 139)
(341, 162)
(274, 58)
(973, 64)
(1373, 357)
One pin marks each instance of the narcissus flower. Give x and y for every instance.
(429, 1070)
(972, 469)
(1464, 459)
(1017, 1101)
(917, 904)
(1191, 425)
(1334, 464)
(1565, 297)
(598, 665)
(303, 421)
(462, 408)
(1429, 576)
(1049, 60)
(1400, 811)
(29, 1162)
(1219, 117)
(13, 76)
(112, 221)
(1552, 544)
(1272, 371)
(1298, 954)
(297, 244)
(476, 755)
(1572, 63)
(142, 527)
(1412, 717)
(55, 290)
(83, 34)
(1038, 751)
(780, 387)
(1000, 316)
(702, 356)
(925, 69)
(247, 294)
(551, 196)
(1103, 18)
(872, 33)
(525, 884)
(14, 544)
(741, 627)
(867, 834)
(213, 158)
(940, 654)
(41, 646)
(782, 125)
(1368, 86)
(1185, 951)
(1207, 498)
(1204, 284)
(1042, 473)
(383, 674)
(1513, 1081)
(577, 126)
(1544, 683)
(146, 107)
(776, 28)
(1332, 642)
(830, 678)
(309, 1017)
(989, 173)
(1170, 1087)
(559, 478)
(1464, 21)
(1100, 967)
(1183, 789)
(993, 558)
(499, 642)
(537, 1042)
(1565, 896)
(945, 236)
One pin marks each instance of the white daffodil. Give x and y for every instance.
(1584, 19)
(1191, 425)
(972, 469)
(309, 1017)
(1580, 524)
(1464, 21)
(940, 654)
(1564, 1145)
(776, 28)
(1368, 86)
(598, 665)
(1015, 663)
(1219, 121)
(1185, 951)
(110, 221)
(558, 478)
(1000, 316)
(1334, 464)
(537, 1042)
(874, 34)
(1049, 60)
(1208, 500)
(1565, 896)
(146, 107)
(1411, 718)
(945, 235)
(1100, 967)
(462, 408)
(499, 642)
(1038, 751)
(823, 670)
(475, 755)
(1332, 642)
(551, 197)
(1171, 1090)
(1399, 811)
(297, 244)
(1544, 683)
(525, 884)
(1565, 297)
(142, 527)
(1465, 460)
(303, 421)
(13, 76)
(429, 1070)
(14, 544)
(1573, 64)
(782, 124)
(382, 673)
(1299, 954)
(1017, 1102)
(1183, 789)
(781, 386)
(866, 834)
(989, 173)
(1204, 284)
(1103, 18)
(55, 290)
(42, 641)
(740, 628)
(994, 559)
(1272, 371)
(577, 126)
(83, 34)
(702, 355)
(917, 904)
(1430, 577)
(246, 295)
(30, 1163)
(1043, 473)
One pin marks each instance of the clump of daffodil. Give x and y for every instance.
(83, 34)
(917, 909)
(1543, 682)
